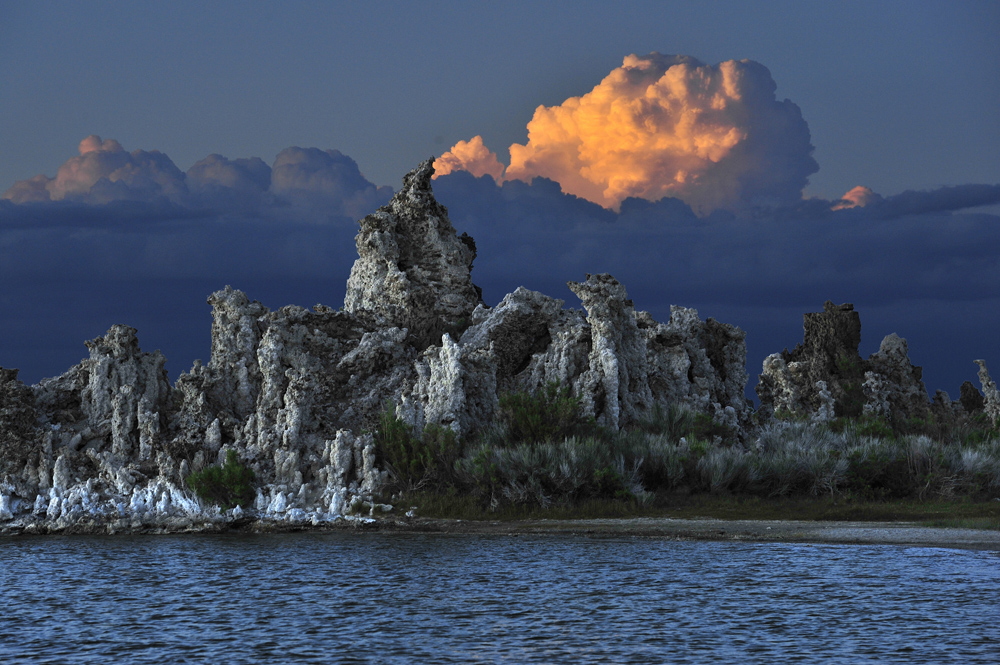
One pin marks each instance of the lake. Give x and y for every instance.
(376, 597)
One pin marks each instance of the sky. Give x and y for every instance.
(151, 153)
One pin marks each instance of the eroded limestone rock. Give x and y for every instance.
(886, 385)
(902, 387)
(828, 353)
(991, 396)
(19, 439)
(412, 270)
(110, 442)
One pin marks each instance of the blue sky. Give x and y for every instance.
(897, 96)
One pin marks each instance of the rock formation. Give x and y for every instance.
(293, 392)
(825, 377)
(991, 396)
(412, 270)
(790, 380)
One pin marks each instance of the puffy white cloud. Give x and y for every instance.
(713, 136)
(325, 178)
(471, 156)
(217, 172)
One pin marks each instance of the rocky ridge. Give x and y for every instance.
(294, 392)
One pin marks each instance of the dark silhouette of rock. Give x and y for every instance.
(971, 399)
(825, 376)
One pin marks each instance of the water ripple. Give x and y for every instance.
(404, 598)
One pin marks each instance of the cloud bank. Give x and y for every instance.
(713, 136)
(327, 183)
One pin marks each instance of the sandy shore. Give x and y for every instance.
(847, 533)
(906, 534)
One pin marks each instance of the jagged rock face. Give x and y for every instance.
(513, 331)
(902, 389)
(18, 438)
(456, 387)
(126, 391)
(828, 353)
(991, 396)
(618, 362)
(616, 383)
(412, 270)
(971, 399)
(697, 364)
(237, 327)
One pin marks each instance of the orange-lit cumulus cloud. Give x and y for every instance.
(666, 125)
(471, 156)
(857, 197)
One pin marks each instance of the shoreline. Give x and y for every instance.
(903, 534)
(909, 534)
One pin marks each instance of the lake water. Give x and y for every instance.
(350, 597)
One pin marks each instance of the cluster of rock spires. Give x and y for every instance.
(295, 392)
(825, 377)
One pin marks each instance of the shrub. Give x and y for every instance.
(551, 414)
(544, 474)
(865, 425)
(674, 422)
(707, 428)
(879, 470)
(977, 429)
(228, 486)
(416, 463)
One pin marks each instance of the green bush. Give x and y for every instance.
(864, 425)
(977, 429)
(552, 473)
(551, 414)
(707, 428)
(228, 486)
(427, 462)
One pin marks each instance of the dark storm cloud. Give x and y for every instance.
(940, 200)
(795, 254)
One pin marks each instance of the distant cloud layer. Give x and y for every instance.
(713, 136)
(307, 178)
(105, 172)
